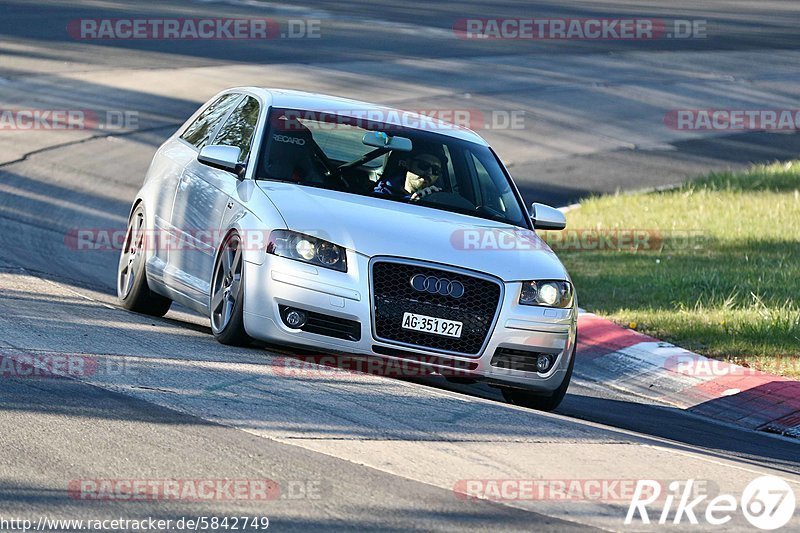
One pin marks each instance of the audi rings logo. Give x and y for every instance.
(434, 285)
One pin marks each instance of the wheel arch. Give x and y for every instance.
(254, 234)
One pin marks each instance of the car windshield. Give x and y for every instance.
(434, 170)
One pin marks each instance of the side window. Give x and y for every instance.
(238, 129)
(203, 127)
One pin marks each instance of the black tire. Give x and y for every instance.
(133, 291)
(541, 402)
(226, 302)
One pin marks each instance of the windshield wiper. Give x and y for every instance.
(476, 214)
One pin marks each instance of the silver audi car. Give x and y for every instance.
(339, 226)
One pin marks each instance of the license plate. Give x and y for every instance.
(429, 324)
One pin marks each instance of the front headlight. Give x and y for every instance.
(546, 293)
(294, 245)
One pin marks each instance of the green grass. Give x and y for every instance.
(731, 292)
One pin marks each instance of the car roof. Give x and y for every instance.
(306, 101)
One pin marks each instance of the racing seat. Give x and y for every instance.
(291, 154)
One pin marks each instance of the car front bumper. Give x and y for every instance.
(346, 295)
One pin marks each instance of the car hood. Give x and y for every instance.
(375, 226)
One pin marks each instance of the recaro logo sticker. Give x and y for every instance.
(287, 139)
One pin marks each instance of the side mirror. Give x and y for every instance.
(546, 217)
(223, 158)
(379, 139)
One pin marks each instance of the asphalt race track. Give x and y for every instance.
(348, 450)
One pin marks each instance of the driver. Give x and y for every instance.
(414, 179)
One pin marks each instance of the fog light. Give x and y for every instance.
(294, 318)
(544, 362)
